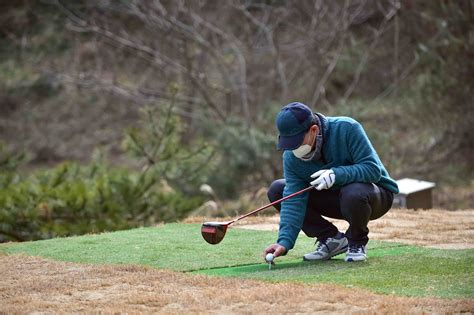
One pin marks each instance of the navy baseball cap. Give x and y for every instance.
(293, 121)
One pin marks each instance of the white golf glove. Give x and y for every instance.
(324, 179)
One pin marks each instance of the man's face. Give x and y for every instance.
(310, 137)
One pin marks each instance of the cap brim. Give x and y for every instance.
(290, 142)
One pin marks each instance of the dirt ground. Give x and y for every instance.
(32, 284)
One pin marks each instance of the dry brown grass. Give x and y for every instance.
(31, 284)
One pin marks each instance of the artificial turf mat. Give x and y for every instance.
(391, 268)
(400, 270)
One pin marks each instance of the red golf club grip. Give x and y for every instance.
(273, 203)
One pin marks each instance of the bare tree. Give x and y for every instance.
(227, 59)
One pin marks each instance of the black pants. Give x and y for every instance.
(357, 203)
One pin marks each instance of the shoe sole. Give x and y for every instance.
(340, 251)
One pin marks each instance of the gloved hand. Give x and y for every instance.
(324, 179)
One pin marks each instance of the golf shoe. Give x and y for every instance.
(356, 253)
(328, 247)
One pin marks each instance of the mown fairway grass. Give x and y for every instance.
(391, 268)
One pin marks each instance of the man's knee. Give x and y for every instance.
(275, 191)
(356, 193)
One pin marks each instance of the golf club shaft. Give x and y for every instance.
(272, 204)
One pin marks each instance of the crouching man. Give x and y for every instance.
(334, 155)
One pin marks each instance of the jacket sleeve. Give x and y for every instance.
(292, 210)
(365, 167)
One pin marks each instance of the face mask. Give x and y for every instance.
(302, 150)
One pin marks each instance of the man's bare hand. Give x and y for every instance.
(275, 249)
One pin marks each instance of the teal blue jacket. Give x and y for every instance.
(348, 152)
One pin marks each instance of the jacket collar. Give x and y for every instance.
(324, 126)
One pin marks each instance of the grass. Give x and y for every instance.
(413, 271)
(178, 247)
(392, 268)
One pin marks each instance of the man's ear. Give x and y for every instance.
(315, 129)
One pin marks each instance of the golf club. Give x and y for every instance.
(214, 232)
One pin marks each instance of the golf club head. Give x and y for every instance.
(213, 232)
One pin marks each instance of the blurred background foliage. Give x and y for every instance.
(70, 199)
(176, 94)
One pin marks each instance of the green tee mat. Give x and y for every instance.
(391, 268)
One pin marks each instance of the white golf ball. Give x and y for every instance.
(269, 257)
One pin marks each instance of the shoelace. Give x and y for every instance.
(355, 249)
(321, 243)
